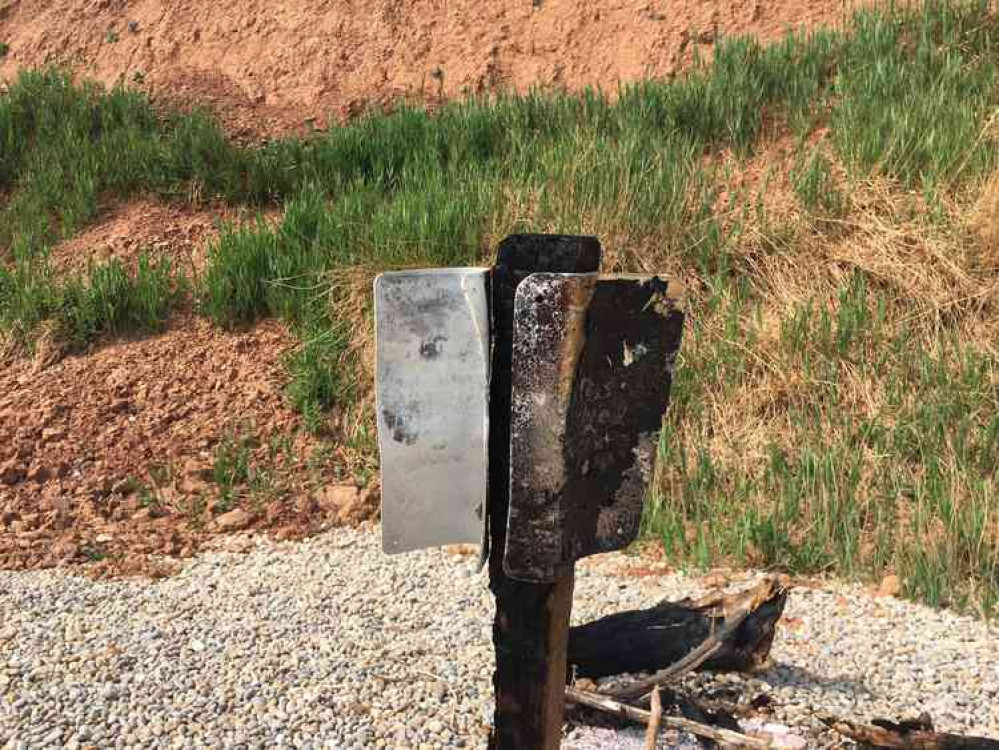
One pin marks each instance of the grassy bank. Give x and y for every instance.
(828, 200)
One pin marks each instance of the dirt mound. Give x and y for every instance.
(267, 68)
(178, 232)
(152, 445)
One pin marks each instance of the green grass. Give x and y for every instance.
(815, 184)
(914, 103)
(905, 481)
(107, 301)
(231, 468)
(241, 472)
(835, 410)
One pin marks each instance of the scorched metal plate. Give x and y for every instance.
(592, 364)
(432, 394)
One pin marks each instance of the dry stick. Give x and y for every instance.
(655, 719)
(691, 661)
(622, 710)
(901, 737)
(950, 303)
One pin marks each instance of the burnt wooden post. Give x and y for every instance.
(534, 431)
(531, 628)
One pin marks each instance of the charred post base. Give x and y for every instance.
(532, 619)
(652, 639)
(915, 734)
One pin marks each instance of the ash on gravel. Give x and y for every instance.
(331, 644)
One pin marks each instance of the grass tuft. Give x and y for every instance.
(107, 301)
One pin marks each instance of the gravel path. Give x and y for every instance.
(330, 644)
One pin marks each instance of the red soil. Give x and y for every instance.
(173, 231)
(91, 439)
(270, 67)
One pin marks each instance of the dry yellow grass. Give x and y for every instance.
(984, 223)
(928, 301)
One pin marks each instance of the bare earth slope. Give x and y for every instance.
(269, 67)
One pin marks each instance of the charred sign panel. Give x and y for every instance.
(592, 365)
(432, 398)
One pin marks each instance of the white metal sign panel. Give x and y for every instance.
(432, 392)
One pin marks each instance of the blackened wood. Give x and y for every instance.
(648, 640)
(532, 620)
(908, 735)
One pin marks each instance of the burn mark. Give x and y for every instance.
(400, 431)
(603, 436)
(432, 347)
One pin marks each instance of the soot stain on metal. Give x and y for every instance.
(400, 431)
(431, 348)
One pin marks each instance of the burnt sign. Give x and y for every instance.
(591, 372)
